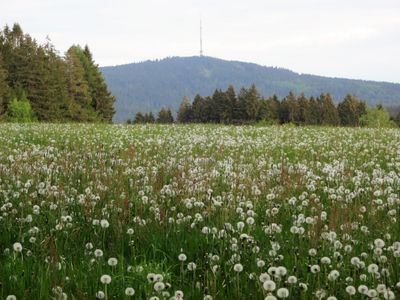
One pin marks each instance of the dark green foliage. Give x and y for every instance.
(165, 116)
(397, 119)
(185, 111)
(350, 110)
(248, 107)
(199, 110)
(271, 110)
(59, 89)
(4, 88)
(328, 114)
(150, 85)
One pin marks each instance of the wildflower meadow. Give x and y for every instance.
(198, 212)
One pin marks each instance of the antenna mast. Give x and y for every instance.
(201, 39)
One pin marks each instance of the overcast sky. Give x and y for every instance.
(339, 38)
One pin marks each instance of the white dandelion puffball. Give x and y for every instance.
(104, 224)
(351, 290)
(11, 297)
(100, 295)
(112, 261)
(179, 294)
(159, 286)
(129, 291)
(17, 247)
(238, 268)
(379, 243)
(98, 253)
(182, 257)
(105, 279)
(282, 293)
(269, 285)
(191, 266)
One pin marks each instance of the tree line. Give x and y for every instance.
(248, 107)
(36, 83)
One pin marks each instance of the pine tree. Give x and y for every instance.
(252, 103)
(199, 110)
(58, 89)
(165, 116)
(327, 110)
(397, 119)
(312, 114)
(185, 111)
(303, 106)
(149, 118)
(230, 104)
(350, 110)
(272, 109)
(102, 99)
(78, 88)
(4, 88)
(139, 118)
(289, 110)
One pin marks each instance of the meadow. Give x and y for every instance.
(198, 212)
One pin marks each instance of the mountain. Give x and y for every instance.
(149, 85)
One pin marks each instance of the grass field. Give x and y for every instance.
(198, 212)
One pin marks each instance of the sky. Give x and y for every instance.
(338, 38)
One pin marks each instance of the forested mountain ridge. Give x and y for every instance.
(150, 85)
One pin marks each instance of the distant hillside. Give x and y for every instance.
(149, 85)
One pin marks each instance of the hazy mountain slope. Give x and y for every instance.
(149, 85)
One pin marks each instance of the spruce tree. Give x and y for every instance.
(397, 119)
(102, 99)
(252, 103)
(165, 116)
(4, 88)
(230, 105)
(303, 107)
(350, 110)
(185, 111)
(78, 88)
(199, 110)
(327, 110)
(139, 118)
(272, 109)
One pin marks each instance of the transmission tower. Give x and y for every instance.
(201, 39)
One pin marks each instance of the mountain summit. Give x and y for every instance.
(150, 85)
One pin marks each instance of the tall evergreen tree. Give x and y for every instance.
(303, 107)
(58, 89)
(230, 104)
(312, 114)
(289, 109)
(253, 103)
(102, 99)
(139, 118)
(149, 118)
(78, 87)
(397, 119)
(185, 111)
(4, 88)
(350, 110)
(199, 110)
(272, 109)
(327, 110)
(165, 116)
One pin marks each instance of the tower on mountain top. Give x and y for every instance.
(201, 39)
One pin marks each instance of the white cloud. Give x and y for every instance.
(357, 38)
